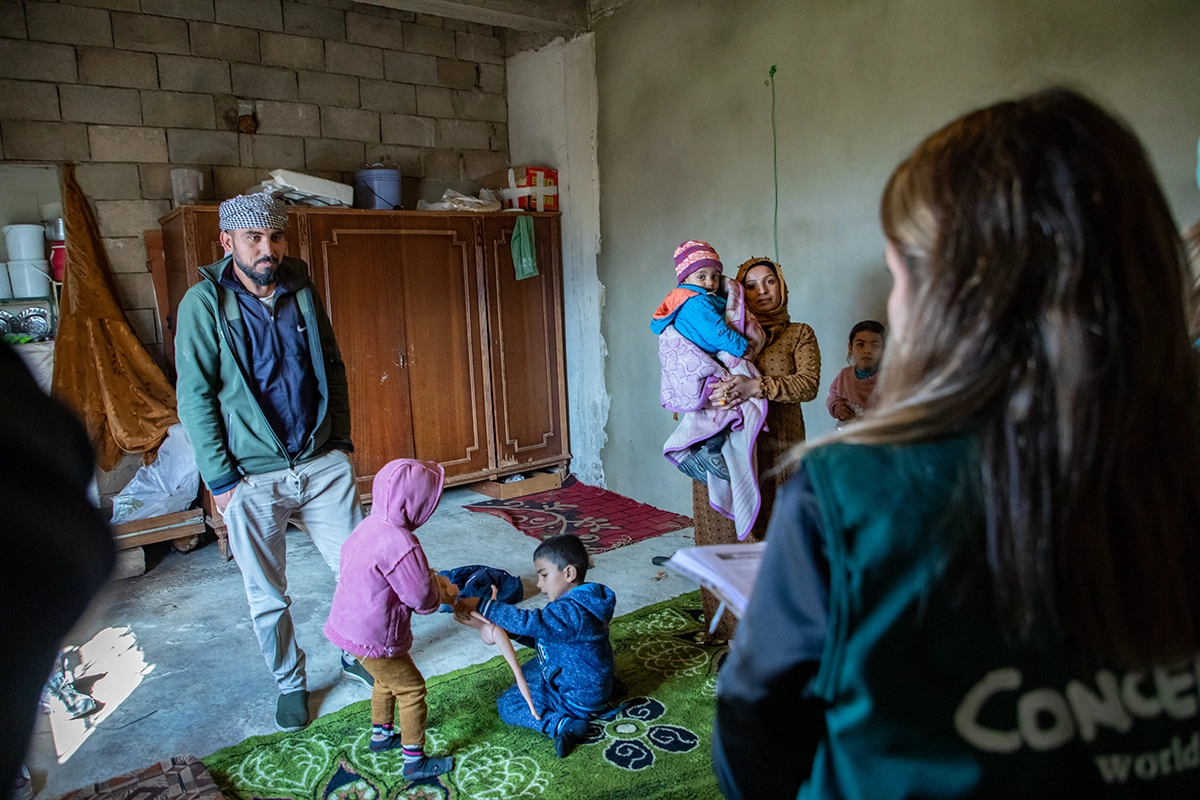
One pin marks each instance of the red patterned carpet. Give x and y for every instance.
(604, 520)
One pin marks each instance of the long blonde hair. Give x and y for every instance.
(1047, 318)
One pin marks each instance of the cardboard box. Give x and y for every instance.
(528, 188)
(537, 481)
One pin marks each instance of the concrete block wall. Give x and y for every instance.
(129, 89)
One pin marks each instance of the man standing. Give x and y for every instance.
(263, 395)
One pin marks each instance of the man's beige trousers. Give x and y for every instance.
(321, 499)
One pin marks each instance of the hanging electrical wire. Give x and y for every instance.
(775, 152)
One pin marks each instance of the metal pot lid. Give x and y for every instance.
(34, 321)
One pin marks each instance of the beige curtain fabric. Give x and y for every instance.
(101, 369)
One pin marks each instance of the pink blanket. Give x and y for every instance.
(688, 376)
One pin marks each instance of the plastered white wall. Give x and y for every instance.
(552, 117)
(685, 149)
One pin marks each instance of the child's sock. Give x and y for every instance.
(417, 765)
(383, 737)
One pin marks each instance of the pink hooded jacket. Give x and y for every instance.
(384, 573)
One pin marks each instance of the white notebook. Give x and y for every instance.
(726, 570)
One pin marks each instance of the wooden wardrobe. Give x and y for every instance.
(448, 356)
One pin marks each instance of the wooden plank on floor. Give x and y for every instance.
(157, 529)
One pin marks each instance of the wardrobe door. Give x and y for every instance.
(357, 270)
(525, 332)
(443, 304)
(402, 292)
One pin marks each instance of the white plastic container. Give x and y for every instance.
(25, 242)
(29, 278)
(5, 286)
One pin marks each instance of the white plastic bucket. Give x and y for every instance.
(29, 278)
(25, 242)
(377, 188)
(5, 286)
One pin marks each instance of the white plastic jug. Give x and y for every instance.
(29, 278)
(25, 242)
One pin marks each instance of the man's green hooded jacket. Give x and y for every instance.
(217, 405)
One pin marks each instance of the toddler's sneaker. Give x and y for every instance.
(387, 743)
(713, 460)
(427, 767)
(694, 465)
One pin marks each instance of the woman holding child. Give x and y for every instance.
(790, 364)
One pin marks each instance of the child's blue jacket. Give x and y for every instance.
(701, 320)
(571, 637)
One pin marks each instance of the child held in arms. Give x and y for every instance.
(571, 679)
(697, 309)
(850, 392)
(384, 578)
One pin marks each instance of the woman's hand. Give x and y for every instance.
(732, 392)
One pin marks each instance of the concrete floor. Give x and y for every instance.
(180, 671)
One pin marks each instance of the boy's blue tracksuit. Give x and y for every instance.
(572, 676)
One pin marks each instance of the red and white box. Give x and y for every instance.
(527, 188)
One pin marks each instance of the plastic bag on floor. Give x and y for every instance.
(168, 485)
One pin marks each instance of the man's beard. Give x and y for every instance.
(263, 277)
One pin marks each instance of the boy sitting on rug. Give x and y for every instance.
(384, 578)
(571, 679)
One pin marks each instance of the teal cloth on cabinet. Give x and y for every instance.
(524, 260)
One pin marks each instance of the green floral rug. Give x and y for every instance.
(657, 746)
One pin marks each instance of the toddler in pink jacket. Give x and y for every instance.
(384, 578)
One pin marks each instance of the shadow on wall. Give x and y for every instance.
(874, 286)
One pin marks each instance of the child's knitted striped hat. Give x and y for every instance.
(692, 255)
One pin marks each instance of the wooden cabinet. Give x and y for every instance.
(449, 357)
(525, 323)
(404, 296)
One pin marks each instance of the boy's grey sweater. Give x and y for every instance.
(571, 637)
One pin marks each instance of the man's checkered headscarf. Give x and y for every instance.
(258, 210)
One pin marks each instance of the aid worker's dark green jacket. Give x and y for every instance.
(872, 663)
